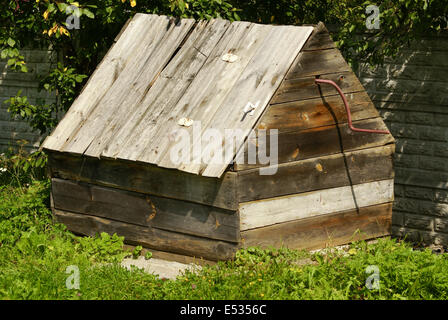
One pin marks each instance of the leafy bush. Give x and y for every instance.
(20, 167)
(43, 23)
(35, 253)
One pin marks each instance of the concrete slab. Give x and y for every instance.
(162, 268)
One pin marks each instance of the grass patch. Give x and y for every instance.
(35, 253)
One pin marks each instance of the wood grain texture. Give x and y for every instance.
(306, 88)
(130, 138)
(324, 231)
(319, 62)
(147, 179)
(256, 84)
(148, 237)
(101, 80)
(145, 210)
(320, 39)
(317, 112)
(267, 212)
(332, 171)
(320, 141)
(131, 86)
(209, 89)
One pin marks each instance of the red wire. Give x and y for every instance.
(347, 108)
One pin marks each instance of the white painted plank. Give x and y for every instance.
(305, 205)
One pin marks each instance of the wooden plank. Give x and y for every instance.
(209, 89)
(101, 80)
(103, 202)
(320, 141)
(319, 40)
(332, 171)
(312, 63)
(147, 179)
(324, 231)
(126, 133)
(306, 88)
(148, 237)
(267, 212)
(196, 219)
(136, 79)
(305, 114)
(135, 208)
(257, 84)
(281, 47)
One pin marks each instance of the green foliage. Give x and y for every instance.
(35, 253)
(137, 251)
(43, 23)
(19, 167)
(148, 255)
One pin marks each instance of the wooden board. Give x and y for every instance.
(137, 77)
(256, 84)
(317, 112)
(147, 179)
(267, 212)
(320, 141)
(332, 171)
(127, 135)
(306, 88)
(148, 237)
(324, 231)
(319, 40)
(319, 62)
(208, 90)
(135, 208)
(108, 71)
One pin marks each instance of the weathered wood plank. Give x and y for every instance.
(317, 112)
(320, 141)
(312, 63)
(101, 80)
(128, 133)
(324, 231)
(208, 89)
(267, 212)
(332, 171)
(147, 179)
(319, 40)
(195, 219)
(151, 211)
(257, 85)
(306, 88)
(102, 202)
(133, 83)
(149, 237)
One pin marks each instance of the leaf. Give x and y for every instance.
(11, 42)
(88, 13)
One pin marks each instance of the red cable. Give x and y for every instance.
(347, 108)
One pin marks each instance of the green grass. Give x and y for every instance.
(35, 253)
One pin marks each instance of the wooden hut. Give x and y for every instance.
(109, 157)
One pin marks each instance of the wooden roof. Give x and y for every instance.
(161, 70)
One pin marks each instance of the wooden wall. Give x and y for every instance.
(331, 182)
(332, 185)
